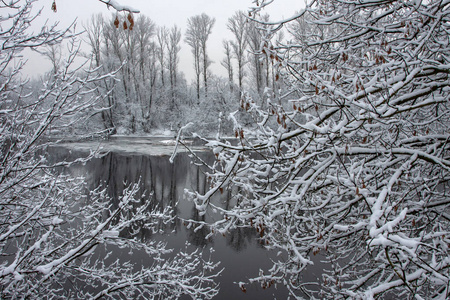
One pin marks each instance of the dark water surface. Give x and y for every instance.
(239, 252)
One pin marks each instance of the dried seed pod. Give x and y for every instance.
(54, 6)
(125, 26)
(116, 22)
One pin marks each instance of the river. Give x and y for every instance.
(146, 160)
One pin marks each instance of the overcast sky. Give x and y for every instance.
(168, 13)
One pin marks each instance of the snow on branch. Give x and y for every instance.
(345, 163)
(55, 236)
(119, 7)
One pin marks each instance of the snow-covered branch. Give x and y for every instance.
(349, 167)
(55, 238)
(119, 7)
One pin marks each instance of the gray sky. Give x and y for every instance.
(163, 12)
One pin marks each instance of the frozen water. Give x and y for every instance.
(151, 146)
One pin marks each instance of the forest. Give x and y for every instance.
(341, 150)
(149, 92)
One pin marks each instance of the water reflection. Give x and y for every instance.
(164, 183)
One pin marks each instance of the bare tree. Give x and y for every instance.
(192, 40)
(238, 25)
(257, 42)
(53, 54)
(206, 27)
(143, 33)
(227, 62)
(132, 52)
(197, 34)
(173, 49)
(350, 168)
(152, 70)
(95, 38)
(162, 35)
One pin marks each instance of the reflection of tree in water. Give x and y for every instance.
(161, 183)
(197, 236)
(238, 239)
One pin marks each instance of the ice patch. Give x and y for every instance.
(152, 146)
